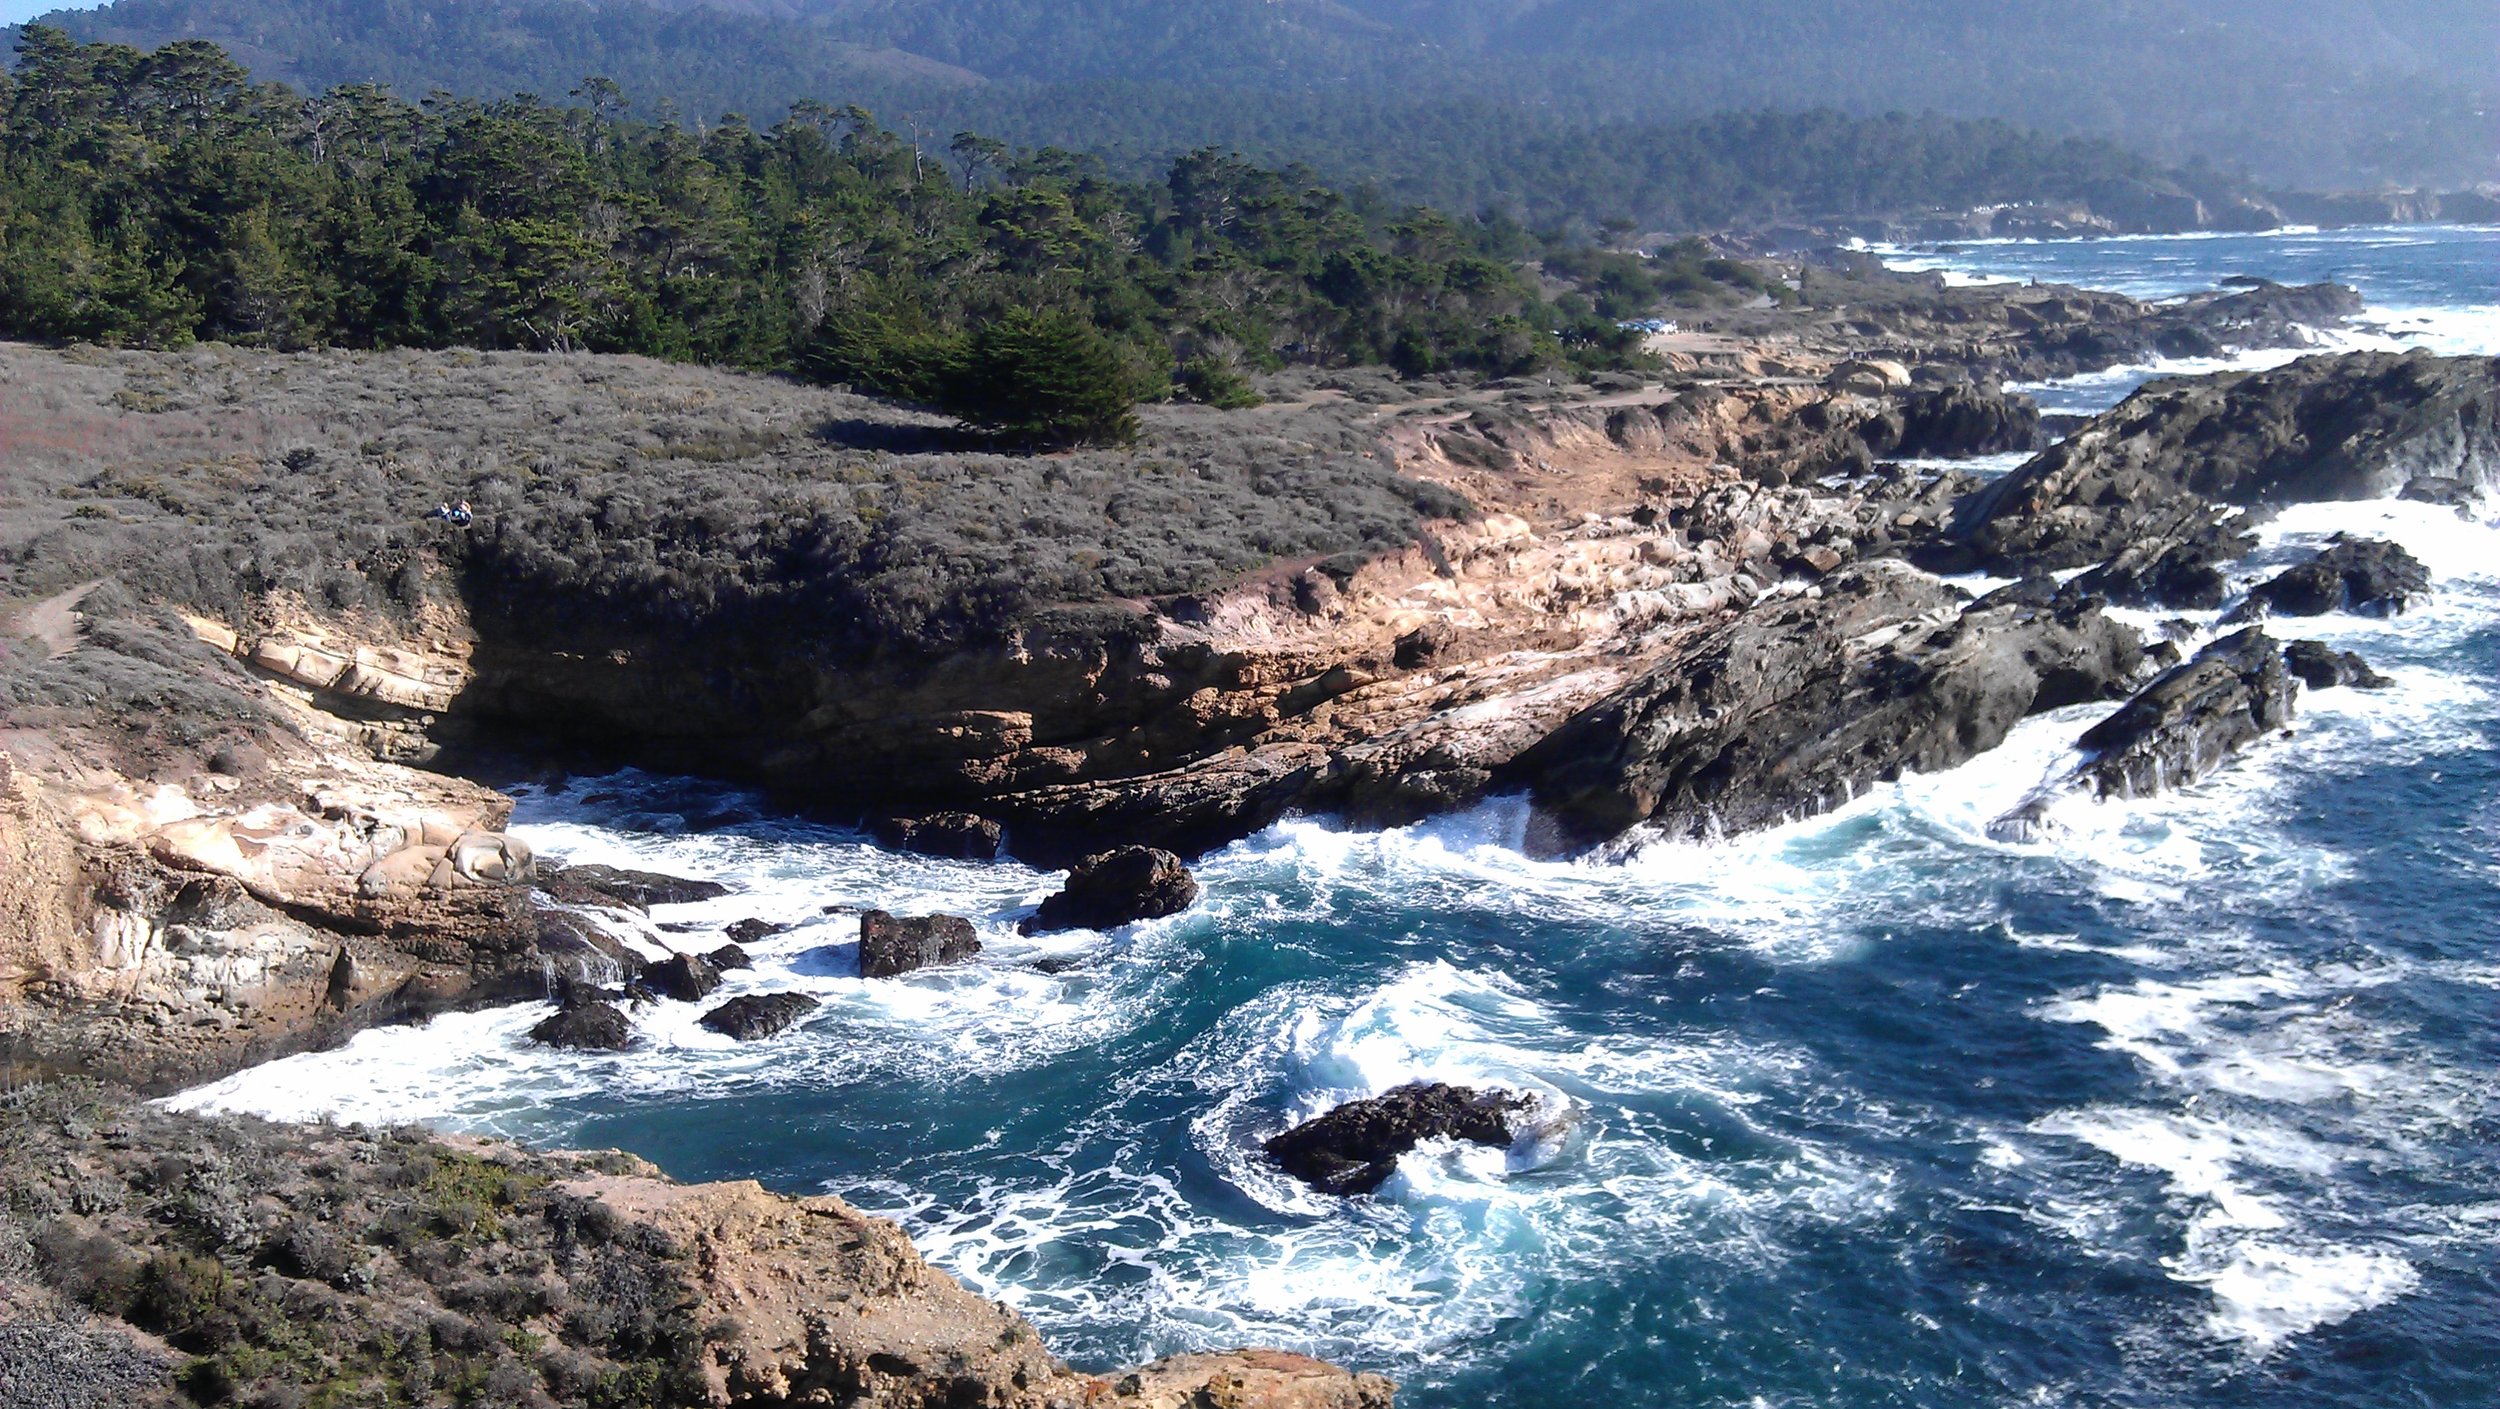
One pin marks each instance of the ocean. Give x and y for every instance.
(2190, 1104)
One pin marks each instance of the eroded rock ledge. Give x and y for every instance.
(234, 1256)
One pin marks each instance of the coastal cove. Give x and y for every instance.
(2184, 1102)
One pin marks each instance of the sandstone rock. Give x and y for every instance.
(958, 836)
(1116, 888)
(2353, 574)
(687, 978)
(1353, 1148)
(635, 890)
(751, 1017)
(589, 1026)
(898, 944)
(1804, 701)
(2321, 667)
(1868, 378)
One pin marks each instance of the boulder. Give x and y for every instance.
(596, 1026)
(749, 931)
(611, 885)
(1955, 422)
(752, 1017)
(728, 957)
(2185, 724)
(1802, 702)
(2366, 425)
(1867, 377)
(2352, 574)
(2322, 667)
(1114, 888)
(1353, 1148)
(954, 836)
(687, 978)
(897, 944)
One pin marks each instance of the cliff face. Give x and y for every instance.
(144, 1251)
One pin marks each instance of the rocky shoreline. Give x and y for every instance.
(1696, 606)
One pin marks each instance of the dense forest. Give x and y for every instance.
(155, 198)
(1535, 105)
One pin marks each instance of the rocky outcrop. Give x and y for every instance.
(752, 1017)
(953, 836)
(2175, 572)
(684, 978)
(1804, 701)
(2167, 462)
(593, 1025)
(1116, 888)
(2179, 728)
(633, 890)
(606, 1273)
(2353, 574)
(2322, 667)
(898, 944)
(1354, 1148)
(1955, 422)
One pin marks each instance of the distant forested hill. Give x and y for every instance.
(1449, 100)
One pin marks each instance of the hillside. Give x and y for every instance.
(1449, 103)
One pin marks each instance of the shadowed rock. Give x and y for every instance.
(598, 1026)
(687, 978)
(2179, 572)
(611, 885)
(898, 944)
(954, 836)
(2353, 574)
(1353, 1148)
(728, 957)
(751, 1017)
(1116, 888)
(2184, 725)
(2322, 667)
(1804, 701)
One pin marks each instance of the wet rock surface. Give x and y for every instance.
(956, 836)
(752, 1017)
(2322, 667)
(1115, 888)
(683, 978)
(1803, 701)
(590, 1025)
(1354, 1148)
(898, 944)
(635, 890)
(2352, 574)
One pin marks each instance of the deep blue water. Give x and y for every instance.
(2189, 1106)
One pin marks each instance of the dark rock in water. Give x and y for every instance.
(2356, 574)
(1353, 1148)
(2180, 572)
(2187, 722)
(1803, 701)
(2360, 426)
(2175, 730)
(728, 957)
(956, 836)
(1115, 888)
(2322, 667)
(749, 931)
(687, 978)
(752, 1017)
(2440, 490)
(575, 948)
(595, 1026)
(898, 944)
(610, 885)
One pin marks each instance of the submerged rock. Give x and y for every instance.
(2353, 574)
(611, 885)
(1353, 1148)
(954, 836)
(596, 1025)
(2181, 727)
(897, 944)
(1116, 888)
(688, 978)
(2322, 667)
(751, 1017)
(1804, 701)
